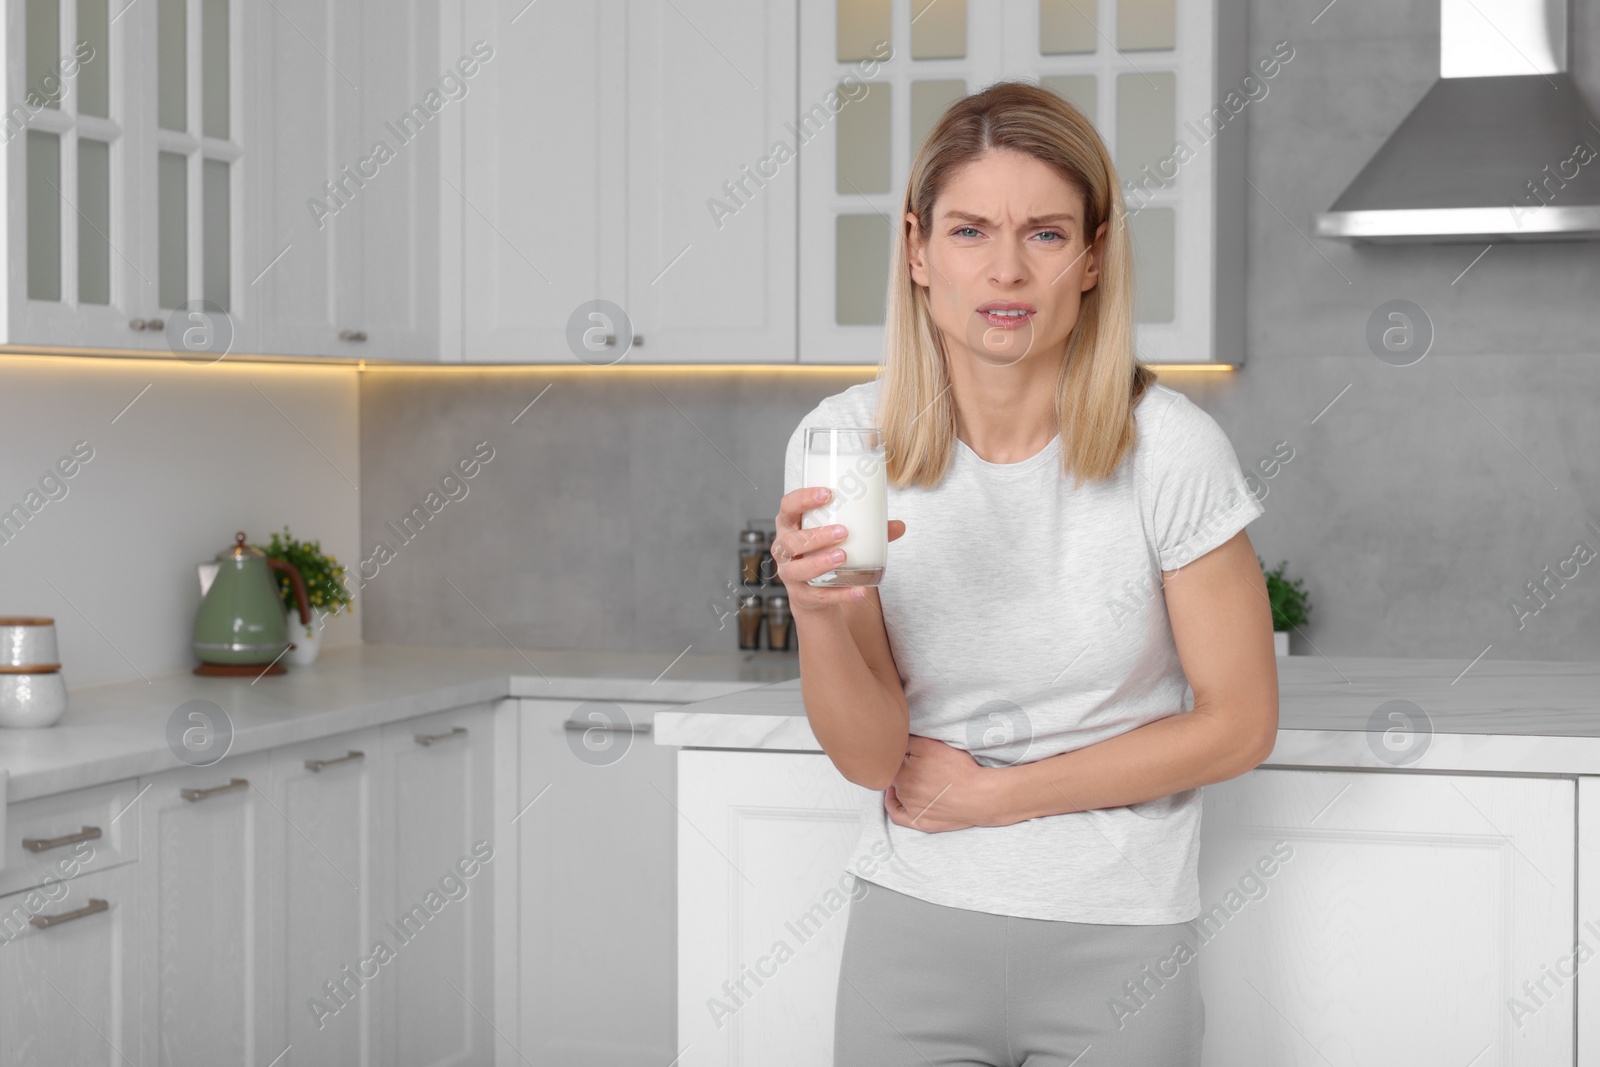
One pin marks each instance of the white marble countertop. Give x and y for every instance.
(119, 730)
(1496, 716)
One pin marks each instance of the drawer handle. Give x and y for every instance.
(201, 794)
(44, 922)
(352, 335)
(428, 739)
(636, 727)
(318, 764)
(39, 844)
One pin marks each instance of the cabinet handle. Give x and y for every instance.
(154, 324)
(638, 340)
(352, 335)
(318, 764)
(44, 922)
(39, 844)
(637, 727)
(201, 794)
(428, 739)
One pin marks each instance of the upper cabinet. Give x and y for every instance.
(124, 203)
(541, 181)
(354, 98)
(702, 181)
(306, 243)
(875, 75)
(643, 217)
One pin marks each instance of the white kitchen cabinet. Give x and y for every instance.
(411, 90)
(75, 172)
(1412, 907)
(347, 257)
(611, 195)
(321, 890)
(233, 181)
(543, 186)
(1351, 918)
(711, 256)
(1147, 74)
(597, 914)
(125, 192)
(246, 900)
(210, 840)
(70, 990)
(308, 245)
(762, 844)
(437, 843)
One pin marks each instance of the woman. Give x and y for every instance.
(1068, 552)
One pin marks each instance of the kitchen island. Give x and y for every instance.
(1413, 875)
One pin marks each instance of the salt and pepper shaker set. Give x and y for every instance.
(758, 571)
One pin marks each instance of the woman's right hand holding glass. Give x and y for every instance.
(803, 554)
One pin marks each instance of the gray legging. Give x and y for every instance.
(923, 984)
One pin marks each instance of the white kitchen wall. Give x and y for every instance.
(181, 456)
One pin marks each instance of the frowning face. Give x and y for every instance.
(1005, 261)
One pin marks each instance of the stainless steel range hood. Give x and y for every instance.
(1501, 148)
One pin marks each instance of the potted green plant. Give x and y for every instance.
(1290, 604)
(325, 591)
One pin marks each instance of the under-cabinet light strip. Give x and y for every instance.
(130, 357)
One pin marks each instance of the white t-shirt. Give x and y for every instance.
(1027, 619)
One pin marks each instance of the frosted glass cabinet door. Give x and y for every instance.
(1146, 72)
(77, 272)
(195, 127)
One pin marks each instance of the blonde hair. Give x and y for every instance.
(1101, 380)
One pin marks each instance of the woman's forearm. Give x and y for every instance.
(1179, 752)
(855, 719)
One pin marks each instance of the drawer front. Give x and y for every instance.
(66, 834)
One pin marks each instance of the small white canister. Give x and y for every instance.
(28, 644)
(32, 700)
(32, 691)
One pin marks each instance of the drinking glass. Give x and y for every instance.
(850, 461)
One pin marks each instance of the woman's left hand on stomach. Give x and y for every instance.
(939, 787)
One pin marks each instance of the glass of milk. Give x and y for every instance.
(850, 461)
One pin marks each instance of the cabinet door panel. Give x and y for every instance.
(307, 260)
(205, 894)
(711, 254)
(403, 104)
(1411, 907)
(763, 837)
(69, 993)
(598, 917)
(435, 917)
(77, 175)
(543, 198)
(324, 919)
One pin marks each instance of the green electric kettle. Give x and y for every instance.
(240, 626)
